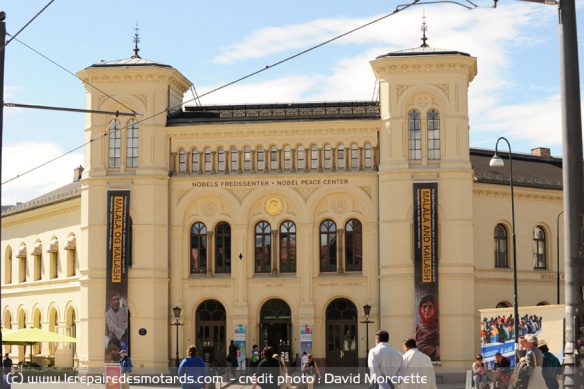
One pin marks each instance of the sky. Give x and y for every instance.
(516, 93)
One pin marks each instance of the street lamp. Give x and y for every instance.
(177, 311)
(367, 310)
(558, 253)
(497, 161)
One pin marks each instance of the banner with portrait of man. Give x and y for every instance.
(427, 323)
(117, 318)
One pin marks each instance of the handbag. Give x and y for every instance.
(536, 380)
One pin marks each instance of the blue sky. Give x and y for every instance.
(516, 93)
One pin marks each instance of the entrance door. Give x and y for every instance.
(341, 334)
(275, 326)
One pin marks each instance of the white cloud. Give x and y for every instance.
(19, 158)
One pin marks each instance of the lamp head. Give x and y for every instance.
(176, 311)
(367, 310)
(497, 161)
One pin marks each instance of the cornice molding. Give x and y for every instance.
(32, 215)
(494, 193)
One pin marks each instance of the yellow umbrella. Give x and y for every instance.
(30, 336)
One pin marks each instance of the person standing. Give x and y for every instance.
(255, 356)
(383, 361)
(7, 364)
(552, 368)
(192, 370)
(126, 365)
(268, 371)
(233, 349)
(416, 364)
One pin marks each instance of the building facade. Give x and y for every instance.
(282, 221)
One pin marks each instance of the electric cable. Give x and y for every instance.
(26, 25)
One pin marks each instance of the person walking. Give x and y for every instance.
(233, 349)
(7, 364)
(310, 370)
(193, 371)
(126, 365)
(552, 368)
(268, 371)
(383, 361)
(416, 364)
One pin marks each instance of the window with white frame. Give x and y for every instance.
(414, 135)
(433, 135)
(501, 244)
(132, 144)
(115, 143)
(539, 248)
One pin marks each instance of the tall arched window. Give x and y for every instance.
(287, 247)
(368, 156)
(539, 248)
(182, 161)
(261, 159)
(234, 160)
(353, 245)
(287, 158)
(223, 248)
(221, 159)
(501, 246)
(115, 143)
(433, 135)
(328, 246)
(327, 156)
(300, 157)
(341, 157)
(198, 248)
(132, 143)
(208, 160)
(263, 248)
(273, 158)
(195, 161)
(354, 156)
(414, 135)
(247, 159)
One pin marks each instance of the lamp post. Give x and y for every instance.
(367, 310)
(177, 311)
(497, 161)
(558, 254)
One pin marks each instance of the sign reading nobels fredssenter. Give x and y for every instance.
(267, 183)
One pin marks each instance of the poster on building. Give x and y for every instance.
(305, 340)
(112, 376)
(497, 326)
(117, 321)
(427, 325)
(240, 341)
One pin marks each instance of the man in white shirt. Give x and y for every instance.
(384, 361)
(416, 371)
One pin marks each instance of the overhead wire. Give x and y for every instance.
(26, 25)
(197, 97)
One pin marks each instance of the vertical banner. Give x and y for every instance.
(240, 341)
(305, 340)
(117, 320)
(112, 376)
(427, 325)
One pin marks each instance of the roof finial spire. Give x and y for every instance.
(424, 29)
(136, 40)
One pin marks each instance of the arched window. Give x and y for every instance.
(287, 247)
(263, 248)
(132, 144)
(234, 160)
(539, 248)
(433, 135)
(354, 156)
(195, 161)
(328, 246)
(198, 248)
(300, 157)
(327, 156)
(223, 248)
(273, 158)
(414, 135)
(247, 159)
(341, 157)
(260, 158)
(182, 161)
(115, 143)
(314, 157)
(221, 159)
(501, 246)
(37, 254)
(353, 245)
(368, 156)
(287, 158)
(208, 160)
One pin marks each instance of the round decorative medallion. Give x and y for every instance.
(273, 206)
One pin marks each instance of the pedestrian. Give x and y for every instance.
(255, 356)
(268, 371)
(552, 368)
(193, 371)
(310, 370)
(126, 365)
(416, 364)
(6, 384)
(233, 349)
(7, 364)
(287, 384)
(303, 359)
(383, 361)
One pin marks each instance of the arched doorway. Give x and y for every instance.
(276, 325)
(341, 334)
(211, 333)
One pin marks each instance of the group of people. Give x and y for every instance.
(536, 367)
(501, 328)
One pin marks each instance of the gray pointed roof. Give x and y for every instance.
(423, 50)
(133, 61)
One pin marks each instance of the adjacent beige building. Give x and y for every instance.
(278, 217)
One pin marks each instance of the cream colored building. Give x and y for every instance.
(280, 217)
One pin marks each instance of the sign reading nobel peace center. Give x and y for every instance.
(117, 334)
(427, 325)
